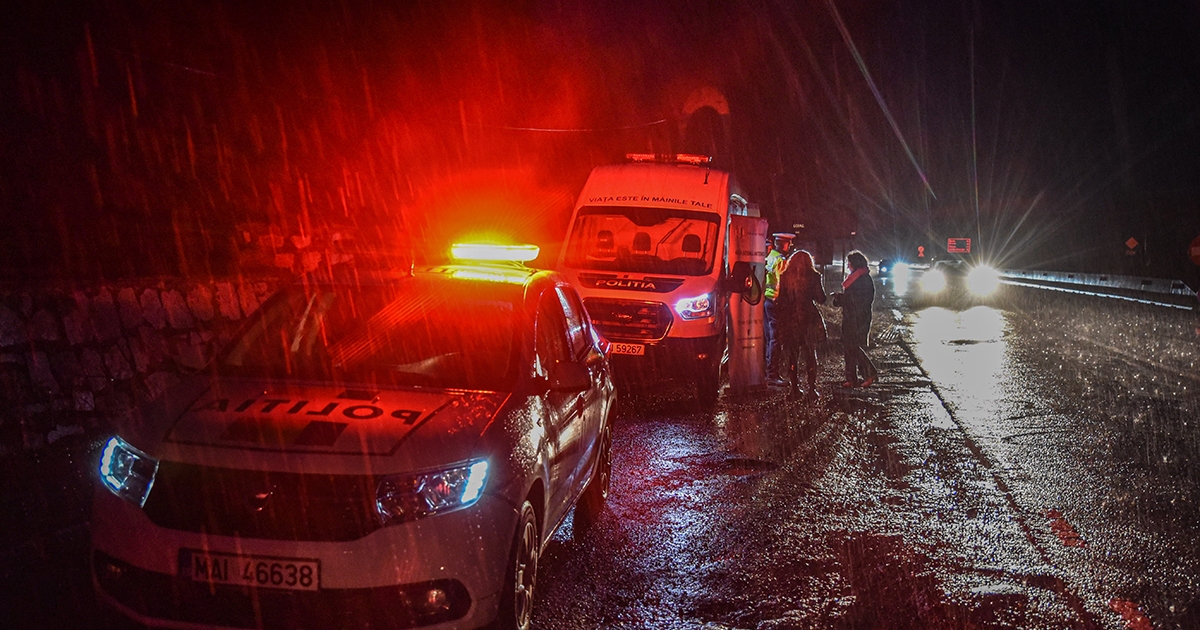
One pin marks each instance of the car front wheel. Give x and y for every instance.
(516, 604)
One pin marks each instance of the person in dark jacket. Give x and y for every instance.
(858, 292)
(800, 290)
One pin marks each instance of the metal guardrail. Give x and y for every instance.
(1157, 291)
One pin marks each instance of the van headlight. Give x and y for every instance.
(400, 498)
(695, 307)
(983, 280)
(126, 471)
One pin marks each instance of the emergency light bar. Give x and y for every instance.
(678, 158)
(494, 253)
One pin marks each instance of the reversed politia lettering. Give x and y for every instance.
(408, 416)
(277, 405)
(362, 412)
(324, 412)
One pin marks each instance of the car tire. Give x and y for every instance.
(591, 503)
(516, 597)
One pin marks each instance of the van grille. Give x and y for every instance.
(256, 504)
(628, 320)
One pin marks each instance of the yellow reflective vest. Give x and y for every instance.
(775, 264)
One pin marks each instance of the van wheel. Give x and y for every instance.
(516, 597)
(708, 383)
(587, 512)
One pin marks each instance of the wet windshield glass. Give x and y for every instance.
(408, 332)
(644, 240)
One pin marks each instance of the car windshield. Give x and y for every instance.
(645, 240)
(432, 332)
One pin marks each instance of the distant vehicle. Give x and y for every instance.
(374, 448)
(652, 251)
(886, 266)
(952, 278)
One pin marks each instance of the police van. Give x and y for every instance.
(656, 247)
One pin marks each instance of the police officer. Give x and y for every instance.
(776, 261)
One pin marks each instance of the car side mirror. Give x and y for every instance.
(570, 377)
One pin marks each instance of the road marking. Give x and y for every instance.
(1063, 529)
(1134, 618)
(1064, 590)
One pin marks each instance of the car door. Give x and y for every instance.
(584, 352)
(564, 422)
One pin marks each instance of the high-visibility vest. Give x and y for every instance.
(775, 262)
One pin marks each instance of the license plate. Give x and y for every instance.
(257, 571)
(635, 349)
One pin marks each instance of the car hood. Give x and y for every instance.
(265, 425)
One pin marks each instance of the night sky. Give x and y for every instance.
(143, 138)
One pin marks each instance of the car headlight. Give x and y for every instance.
(934, 281)
(696, 307)
(400, 498)
(126, 471)
(983, 280)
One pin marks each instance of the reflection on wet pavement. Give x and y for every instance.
(971, 487)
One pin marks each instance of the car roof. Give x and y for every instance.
(525, 282)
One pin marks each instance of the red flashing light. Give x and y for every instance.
(494, 253)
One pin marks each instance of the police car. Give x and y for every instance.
(374, 448)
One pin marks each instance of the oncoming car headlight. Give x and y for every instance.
(983, 280)
(934, 281)
(696, 307)
(126, 471)
(400, 498)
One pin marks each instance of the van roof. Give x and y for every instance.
(664, 185)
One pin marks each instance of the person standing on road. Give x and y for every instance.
(858, 292)
(799, 321)
(776, 260)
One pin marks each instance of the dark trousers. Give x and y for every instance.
(772, 334)
(793, 351)
(858, 364)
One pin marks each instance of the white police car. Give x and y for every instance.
(373, 449)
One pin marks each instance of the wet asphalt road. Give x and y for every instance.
(1028, 464)
(1024, 464)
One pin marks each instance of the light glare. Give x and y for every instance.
(983, 280)
(934, 281)
(494, 253)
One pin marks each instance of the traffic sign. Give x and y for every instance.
(1194, 250)
(1131, 246)
(958, 246)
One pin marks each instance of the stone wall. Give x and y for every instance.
(74, 359)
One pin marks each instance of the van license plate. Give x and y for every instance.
(256, 571)
(635, 349)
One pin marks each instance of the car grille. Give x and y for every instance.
(257, 504)
(629, 320)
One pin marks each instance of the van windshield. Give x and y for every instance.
(643, 240)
